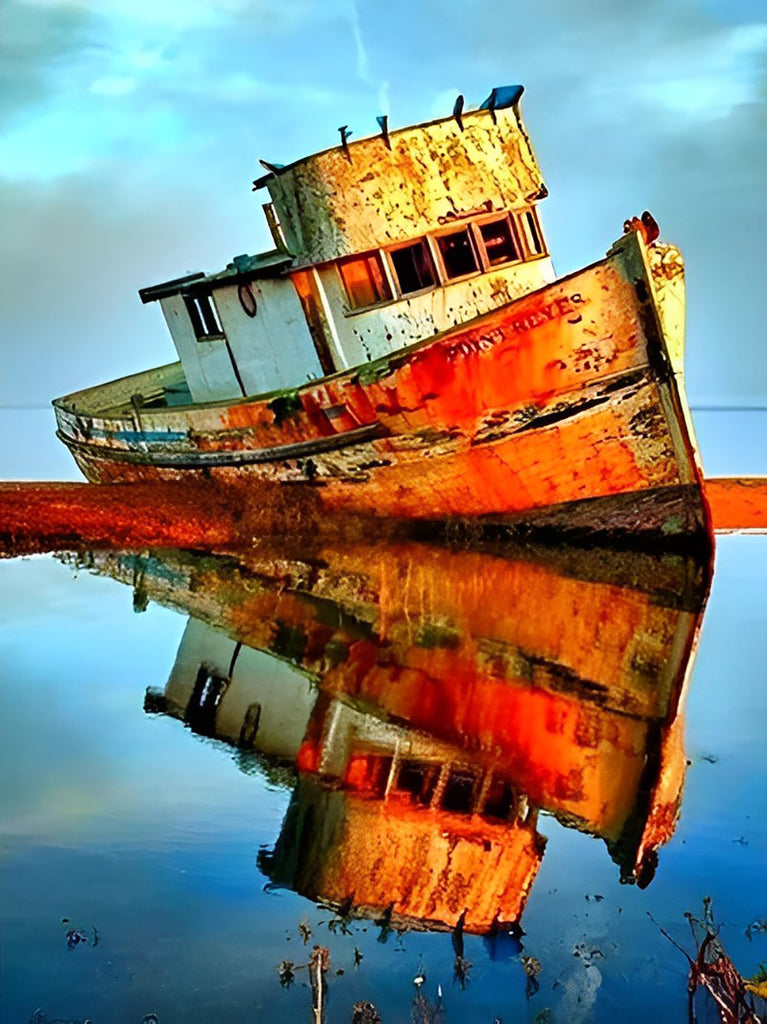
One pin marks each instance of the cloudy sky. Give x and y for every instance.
(130, 131)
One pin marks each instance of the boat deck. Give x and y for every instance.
(162, 387)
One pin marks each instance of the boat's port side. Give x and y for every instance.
(562, 396)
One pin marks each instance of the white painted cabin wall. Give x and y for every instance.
(286, 696)
(207, 366)
(363, 335)
(273, 349)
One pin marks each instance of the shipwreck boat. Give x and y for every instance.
(405, 351)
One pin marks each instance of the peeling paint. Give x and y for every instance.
(332, 207)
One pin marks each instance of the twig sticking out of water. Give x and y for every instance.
(319, 964)
(713, 971)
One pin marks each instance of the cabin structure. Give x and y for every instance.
(378, 243)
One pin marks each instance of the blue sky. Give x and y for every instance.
(130, 132)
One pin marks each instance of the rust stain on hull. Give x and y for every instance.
(563, 396)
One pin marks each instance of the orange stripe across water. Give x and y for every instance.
(738, 503)
(44, 515)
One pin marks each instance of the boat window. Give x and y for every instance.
(532, 233)
(207, 694)
(413, 267)
(459, 791)
(202, 313)
(419, 778)
(364, 280)
(499, 241)
(499, 801)
(457, 252)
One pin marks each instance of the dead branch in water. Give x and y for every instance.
(319, 964)
(713, 971)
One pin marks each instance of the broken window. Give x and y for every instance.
(499, 241)
(413, 267)
(499, 801)
(204, 317)
(457, 252)
(364, 280)
(459, 791)
(418, 778)
(368, 773)
(532, 231)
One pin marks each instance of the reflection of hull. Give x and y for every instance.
(564, 409)
(562, 671)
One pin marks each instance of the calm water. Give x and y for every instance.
(198, 753)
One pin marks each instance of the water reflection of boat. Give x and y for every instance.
(432, 702)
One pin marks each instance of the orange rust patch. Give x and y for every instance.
(738, 503)
(431, 865)
(39, 516)
(591, 456)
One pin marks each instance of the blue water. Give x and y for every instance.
(144, 835)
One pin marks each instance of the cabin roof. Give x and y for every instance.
(242, 268)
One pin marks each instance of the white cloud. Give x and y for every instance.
(702, 78)
(274, 16)
(240, 87)
(363, 64)
(384, 104)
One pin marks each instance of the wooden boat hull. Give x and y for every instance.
(564, 406)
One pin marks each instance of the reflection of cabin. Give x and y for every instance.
(223, 689)
(378, 243)
(396, 818)
(410, 865)
(395, 823)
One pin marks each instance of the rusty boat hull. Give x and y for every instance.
(563, 410)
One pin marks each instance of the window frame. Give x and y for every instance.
(377, 255)
(522, 235)
(455, 229)
(202, 312)
(411, 244)
(275, 226)
(492, 218)
(521, 217)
